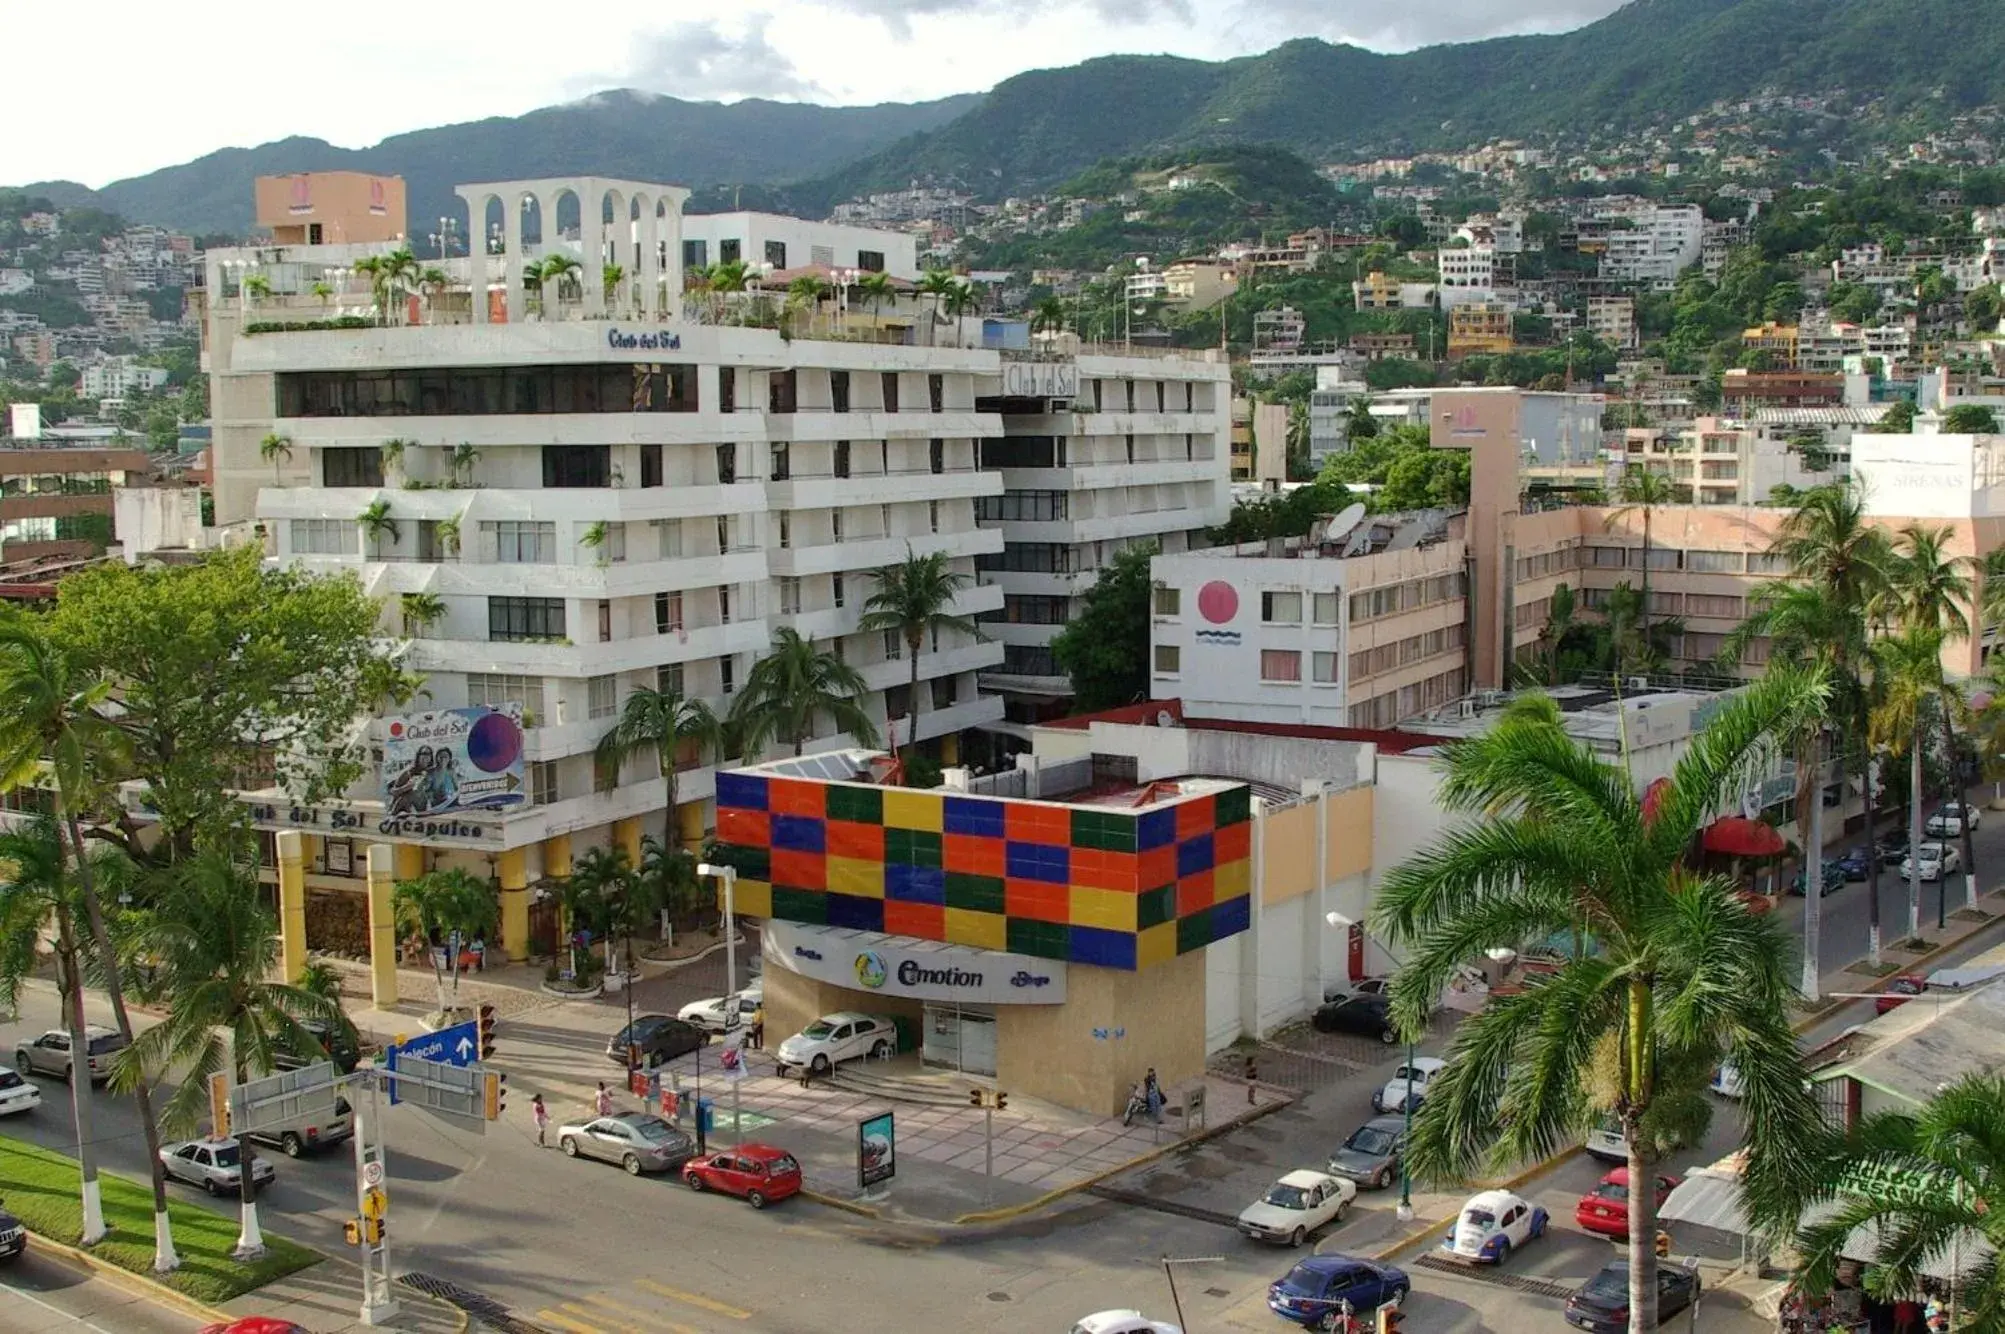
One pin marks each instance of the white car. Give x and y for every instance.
(1947, 822)
(719, 1014)
(1392, 1098)
(1123, 1322)
(1727, 1082)
(1937, 861)
(1606, 1143)
(17, 1094)
(1491, 1225)
(835, 1038)
(1297, 1205)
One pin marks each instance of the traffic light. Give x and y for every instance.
(1663, 1245)
(974, 1097)
(351, 1232)
(1389, 1319)
(1002, 1100)
(487, 1033)
(493, 1095)
(372, 1231)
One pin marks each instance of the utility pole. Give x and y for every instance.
(1169, 1263)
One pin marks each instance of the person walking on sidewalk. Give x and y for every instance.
(604, 1101)
(758, 1027)
(541, 1116)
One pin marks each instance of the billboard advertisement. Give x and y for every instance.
(876, 1150)
(454, 760)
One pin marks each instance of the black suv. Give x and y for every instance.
(13, 1237)
(342, 1045)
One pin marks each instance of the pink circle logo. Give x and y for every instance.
(1217, 602)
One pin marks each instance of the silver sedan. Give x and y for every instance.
(216, 1165)
(635, 1140)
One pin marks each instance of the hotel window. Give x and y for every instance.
(782, 461)
(870, 261)
(838, 391)
(1280, 664)
(1325, 667)
(835, 524)
(729, 250)
(1611, 557)
(936, 392)
(946, 691)
(936, 455)
(605, 621)
(933, 516)
(776, 254)
(650, 465)
(1665, 558)
(1327, 608)
(1765, 562)
(727, 389)
(890, 382)
(605, 773)
(894, 646)
(668, 678)
(542, 782)
(695, 254)
(727, 464)
(602, 696)
(835, 582)
(724, 604)
(351, 467)
(1169, 659)
(1713, 562)
(325, 537)
(786, 530)
(1281, 608)
(522, 543)
(668, 612)
(613, 543)
(577, 465)
(668, 538)
(727, 675)
(1160, 387)
(1719, 605)
(517, 619)
(1169, 601)
(790, 596)
(842, 458)
(495, 690)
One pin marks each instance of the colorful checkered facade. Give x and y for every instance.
(1090, 885)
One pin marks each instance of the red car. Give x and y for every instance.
(759, 1172)
(1897, 992)
(256, 1324)
(1605, 1209)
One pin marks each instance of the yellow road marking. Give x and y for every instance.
(692, 1299)
(619, 1325)
(565, 1322)
(648, 1318)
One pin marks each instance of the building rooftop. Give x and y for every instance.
(1073, 785)
(1650, 713)
(1912, 1051)
(1352, 533)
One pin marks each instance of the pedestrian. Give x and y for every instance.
(1152, 1093)
(759, 1028)
(541, 1116)
(604, 1102)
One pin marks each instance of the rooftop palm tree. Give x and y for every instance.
(664, 721)
(1048, 316)
(275, 449)
(218, 950)
(376, 522)
(610, 278)
(1930, 588)
(449, 907)
(793, 685)
(462, 462)
(731, 275)
(433, 282)
(1682, 974)
(879, 289)
(936, 283)
(554, 273)
(911, 602)
(1925, 1182)
(959, 298)
(421, 611)
(1642, 492)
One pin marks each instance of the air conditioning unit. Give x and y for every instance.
(1639, 683)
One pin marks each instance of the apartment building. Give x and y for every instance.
(116, 377)
(1612, 319)
(1098, 454)
(56, 500)
(1466, 274)
(1479, 327)
(1743, 392)
(1329, 413)
(1259, 442)
(1376, 291)
(1199, 284)
(1658, 242)
(330, 207)
(774, 243)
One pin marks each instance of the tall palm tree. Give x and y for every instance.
(217, 949)
(1682, 974)
(401, 271)
(1048, 316)
(276, 450)
(793, 685)
(598, 879)
(912, 601)
(376, 522)
(1907, 669)
(433, 282)
(960, 298)
(879, 288)
(663, 721)
(1931, 588)
(1925, 1182)
(1552, 635)
(1642, 492)
(557, 270)
(445, 906)
(52, 713)
(936, 283)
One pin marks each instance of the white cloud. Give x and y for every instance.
(698, 59)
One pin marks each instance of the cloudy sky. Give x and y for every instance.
(140, 85)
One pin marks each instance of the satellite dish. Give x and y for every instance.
(1342, 524)
(1164, 718)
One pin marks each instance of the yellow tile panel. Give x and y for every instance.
(1232, 880)
(1156, 945)
(1106, 908)
(753, 898)
(849, 875)
(905, 809)
(984, 930)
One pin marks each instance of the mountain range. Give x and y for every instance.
(1648, 62)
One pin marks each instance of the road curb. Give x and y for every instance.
(1511, 1183)
(1879, 984)
(138, 1284)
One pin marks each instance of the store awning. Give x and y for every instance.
(1738, 836)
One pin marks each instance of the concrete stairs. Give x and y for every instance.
(905, 1082)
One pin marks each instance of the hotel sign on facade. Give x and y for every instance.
(1040, 379)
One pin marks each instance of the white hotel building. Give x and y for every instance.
(660, 484)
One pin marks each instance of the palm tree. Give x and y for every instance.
(880, 290)
(1907, 670)
(1048, 316)
(275, 449)
(911, 602)
(731, 275)
(664, 721)
(255, 285)
(421, 611)
(599, 878)
(1931, 589)
(793, 685)
(1644, 491)
(376, 521)
(1552, 635)
(371, 267)
(433, 282)
(668, 874)
(960, 298)
(462, 462)
(392, 452)
(1681, 974)
(936, 283)
(218, 950)
(448, 534)
(52, 712)
(1922, 1182)
(554, 272)
(610, 278)
(322, 291)
(1359, 424)
(400, 269)
(448, 907)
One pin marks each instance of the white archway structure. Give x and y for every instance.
(644, 238)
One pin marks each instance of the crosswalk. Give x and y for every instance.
(643, 1307)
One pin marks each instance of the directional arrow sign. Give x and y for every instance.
(457, 1045)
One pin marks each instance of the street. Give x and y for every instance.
(42, 1294)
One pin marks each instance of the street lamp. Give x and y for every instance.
(729, 875)
(1405, 1210)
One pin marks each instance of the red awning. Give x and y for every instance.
(1653, 797)
(1738, 836)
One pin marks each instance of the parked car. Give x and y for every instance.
(1297, 1205)
(1605, 1141)
(1122, 1322)
(1417, 1074)
(758, 1172)
(49, 1054)
(1727, 1082)
(1831, 878)
(1318, 1289)
(720, 1013)
(1491, 1224)
(256, 1324)
(339, 1043)
(297, 1136)
(1364, 986)
(1857, 863)
(1370, 1015)
(1605, 1209)
(13, 1236)
(17, 1094)
(1602, 1304)
(1371, 1156)
(636, 1141)
(1892, 849)
(659, 1037)
(1936, 860)
(1948, 820)
(216, 1165)
(835, 1038)
(1896, 994)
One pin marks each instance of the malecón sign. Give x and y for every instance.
(871, 962)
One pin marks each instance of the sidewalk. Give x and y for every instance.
(327, 1299)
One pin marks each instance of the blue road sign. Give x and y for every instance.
(458, 1045)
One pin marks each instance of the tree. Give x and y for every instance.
(879, 289)
(276, 450)
(217, 949)
(461, 464)
(1359, 424)
(937, 283)
(610, 278)
(1983, 308)
(376, 522)
(1105, 647)
(421, 611)
(1680, 976)
(1923, 1182)
(793, 685)
(1048, 316)
(449, 908)
(732, 275)
(1907, 670)
(668, 723)
(600, 877)
(1970, 419)
(1930, 589)
(911, 601)
(433, 283)
(555, 273)
(1643, 491)
(959, 299)
(205, 655)
(1899, 419)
